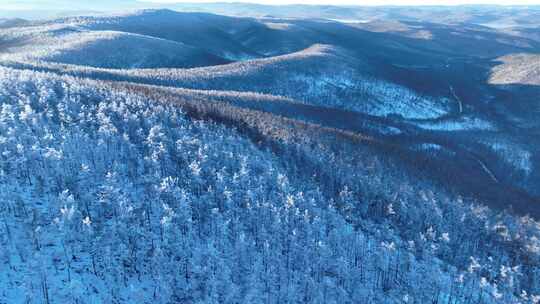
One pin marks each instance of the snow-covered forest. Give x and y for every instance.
(165, 157)
(111, 197)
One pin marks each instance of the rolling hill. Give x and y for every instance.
(12, 22)
(517, 69)
(383, 70)
(307, 76)
(103, 49)
(213, 33)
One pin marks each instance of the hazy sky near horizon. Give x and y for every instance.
(118, 4)
(370, 2)
(45, 4)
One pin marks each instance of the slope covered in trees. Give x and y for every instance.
(210, 32)
(103, 49)
(320, 75)
(424, 81)
(113, 194)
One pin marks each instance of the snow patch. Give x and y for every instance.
(460, 124)
(513, 154)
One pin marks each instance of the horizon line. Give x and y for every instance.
(158, 2)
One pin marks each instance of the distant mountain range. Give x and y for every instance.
(431, 77)
(492, 15)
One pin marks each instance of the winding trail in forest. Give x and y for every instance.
(456, 98)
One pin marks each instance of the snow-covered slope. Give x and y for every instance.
(104, 49)
(320, 75)
(517, 69)
(12, 22)
(112, 193)
(213, 33)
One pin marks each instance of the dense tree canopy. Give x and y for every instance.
(110, 195)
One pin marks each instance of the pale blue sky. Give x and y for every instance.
(372, 2)
(119, 4)
(51, 4)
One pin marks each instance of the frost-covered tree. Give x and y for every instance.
(113, 193)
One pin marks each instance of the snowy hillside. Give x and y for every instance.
(212, 33)
(162, 207)
(11, 22)
(517, 69)
(321, 75)
(103, 49)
